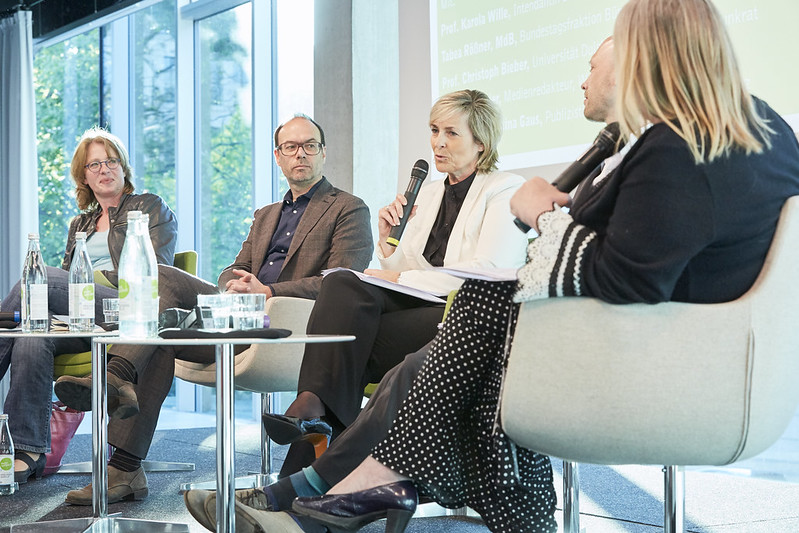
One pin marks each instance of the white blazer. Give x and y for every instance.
(483, 236)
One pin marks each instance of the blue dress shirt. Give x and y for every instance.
(290, 215)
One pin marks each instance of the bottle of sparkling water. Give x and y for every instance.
(7, 483)
(81, 287)
(138, 280)
(35, 316)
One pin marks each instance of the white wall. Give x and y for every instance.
(376, 103)
(356, 96)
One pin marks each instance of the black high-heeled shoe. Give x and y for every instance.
(349, 512)
(34, 469)
(284, 429)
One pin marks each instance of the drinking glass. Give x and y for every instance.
(220, 305)
(247, 310)
(111, 310)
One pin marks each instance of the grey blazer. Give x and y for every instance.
(334, 232)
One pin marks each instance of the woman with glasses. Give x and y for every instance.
(104, 194)
(460, 221)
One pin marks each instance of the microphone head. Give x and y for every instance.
(608, 138)
(419, 170)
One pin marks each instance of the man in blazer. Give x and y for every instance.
(316, 226)
(334, 231)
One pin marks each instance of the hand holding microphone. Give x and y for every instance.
(603, 147)
(418, 174)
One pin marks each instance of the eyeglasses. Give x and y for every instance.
(111, 164)
(310, 148)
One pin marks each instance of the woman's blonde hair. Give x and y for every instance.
(675, 63)
(483, 117)
(114, 147)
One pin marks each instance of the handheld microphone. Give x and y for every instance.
(10, 316)
(418, 174)
(603, 147)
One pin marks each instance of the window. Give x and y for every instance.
(152, 113)
(224, 140)
(295, 64)
(67, 103)
(120, 76)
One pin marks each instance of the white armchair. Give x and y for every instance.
(262, 368)
(667, 384)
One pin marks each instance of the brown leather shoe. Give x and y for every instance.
(249, 520)
(76, 393)
(121, 486)
(202, 504)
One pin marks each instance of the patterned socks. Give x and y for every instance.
(304, 483)
(122, 460)
(122, 368)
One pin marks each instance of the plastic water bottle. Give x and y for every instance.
(35, 316)
(138, 280)
(7, 483)
(81, 287)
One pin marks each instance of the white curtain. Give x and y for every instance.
(19, 207)
(19, 211)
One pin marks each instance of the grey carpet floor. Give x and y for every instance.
(613, 500)
(43, 500)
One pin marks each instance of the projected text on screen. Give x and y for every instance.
(531, 57)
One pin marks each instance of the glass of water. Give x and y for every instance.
(111, 310)
(220, 305)
(247, 310)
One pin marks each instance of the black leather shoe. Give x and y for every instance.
(284, 429)
(34, 469)
(76, 393)
(396, 502)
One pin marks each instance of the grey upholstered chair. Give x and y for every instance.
(669, 384)
(262, 368)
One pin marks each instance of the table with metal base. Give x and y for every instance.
(225, 442)
(99, 521)
(261, 478)
(254, 479)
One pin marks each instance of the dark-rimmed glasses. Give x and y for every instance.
(310, 148)
(111, 164)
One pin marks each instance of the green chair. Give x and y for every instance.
(80, 364)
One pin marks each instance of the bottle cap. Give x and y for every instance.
(3, 416)
(80, 235)
(33, 236)
(134, 214)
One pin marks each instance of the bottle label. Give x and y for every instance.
(123, 289)
(138, 302)
(81, 300)
(38, 295)
(125, 299)
(150, 296)
(6, 469)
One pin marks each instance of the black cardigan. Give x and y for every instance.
(662, 228)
